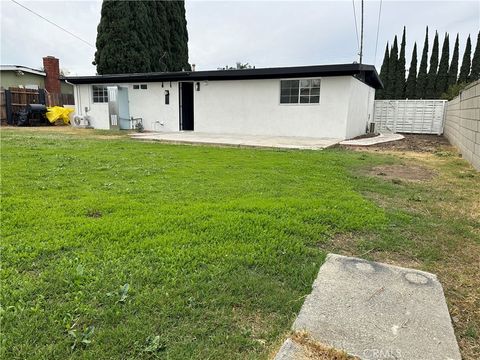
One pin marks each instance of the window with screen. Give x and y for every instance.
(100, 94)
(304, 91)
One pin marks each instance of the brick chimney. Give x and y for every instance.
(52, 69)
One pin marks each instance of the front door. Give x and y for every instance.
(186, 106)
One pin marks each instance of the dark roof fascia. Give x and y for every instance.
(366, 71)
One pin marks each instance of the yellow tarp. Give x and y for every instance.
(59, 113)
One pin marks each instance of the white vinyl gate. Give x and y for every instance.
(410, 116)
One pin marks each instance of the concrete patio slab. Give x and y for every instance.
(381, 138)
(280, 142)
(377, 311)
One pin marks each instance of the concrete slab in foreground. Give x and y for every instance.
(280, 142)
(377, 311)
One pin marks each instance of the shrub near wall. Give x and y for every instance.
(462, 123)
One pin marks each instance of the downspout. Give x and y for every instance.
(78, 96)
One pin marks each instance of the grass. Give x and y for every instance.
(119, 249)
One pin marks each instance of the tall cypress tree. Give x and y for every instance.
(380, 94)
(442, 78)
(400, 77)
(119, 50)
(422, 71)
(432, 71)
(141, 36)
(453, 71)
(160, 36)
(475, 73)
(410, 86)
(178, 50)
(392, 71)
(466, 62)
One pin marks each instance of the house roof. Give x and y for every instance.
(365, 73)
(24, 69)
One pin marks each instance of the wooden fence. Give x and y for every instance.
(13, 100)
(59, 99)
(3, 109)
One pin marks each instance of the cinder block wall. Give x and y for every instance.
(462, 123)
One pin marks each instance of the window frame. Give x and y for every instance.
(299, 95)
(104, 95)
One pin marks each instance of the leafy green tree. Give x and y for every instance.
(238, 66)
(441, 83)
(410, 86)
(453, 91)
(392, 71)
(400, 78)
(432, 71)
(422, 71)
(475, 73)
(466, 62)
(141, 36)
(380, 94)
(453, 71)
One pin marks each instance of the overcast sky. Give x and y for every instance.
(262, 33)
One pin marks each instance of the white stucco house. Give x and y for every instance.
(325, 101)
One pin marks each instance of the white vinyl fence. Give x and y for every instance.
(410, 116)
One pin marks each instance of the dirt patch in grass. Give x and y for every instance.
(411, 142)
(314, 350)
(94, 214)
(402, 172)
(255, 324)
(353, 244)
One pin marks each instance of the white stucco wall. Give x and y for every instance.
(360, 109)
(253, 107)
(98, 112)
(148, 104)
(245, 107)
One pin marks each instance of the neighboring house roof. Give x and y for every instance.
(366, 73)
(24, 69)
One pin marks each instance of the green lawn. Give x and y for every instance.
(218, 246)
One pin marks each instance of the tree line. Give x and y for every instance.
(441, 79)
(142, 36)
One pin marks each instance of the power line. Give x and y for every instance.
(356, 26)
(361, 36)
(378, 30)
(51, 22)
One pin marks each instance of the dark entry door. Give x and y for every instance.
(186, 106)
